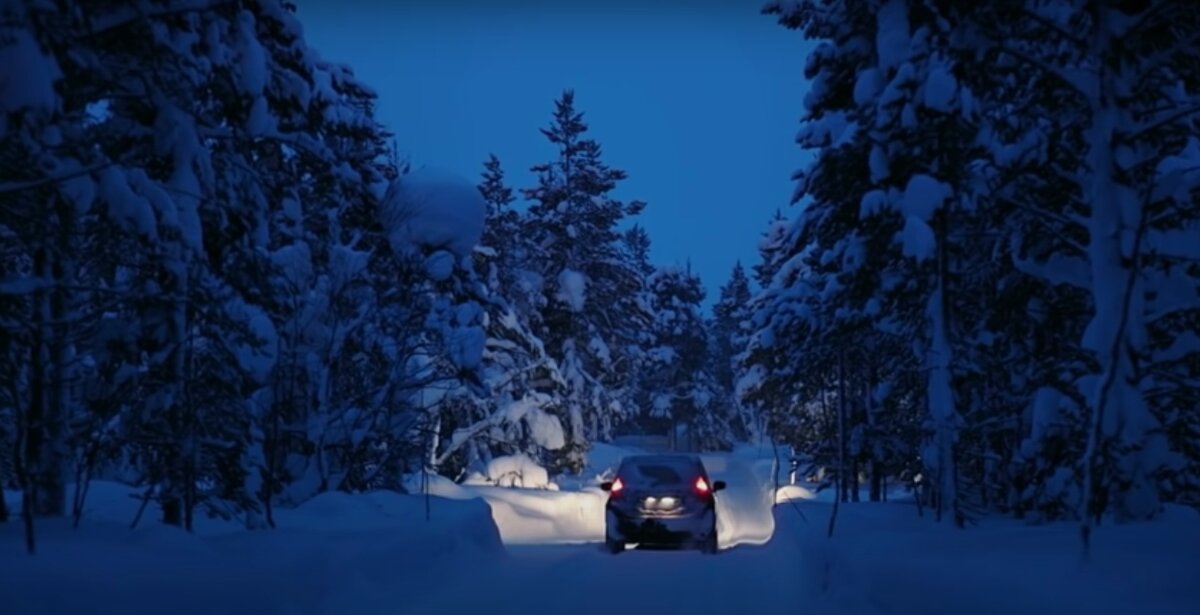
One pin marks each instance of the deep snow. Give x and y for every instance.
(883, 558)
(505, 553)
(327, 556)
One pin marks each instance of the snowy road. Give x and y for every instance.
(751, 574)
(580, 579)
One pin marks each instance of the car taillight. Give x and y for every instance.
(617, 487)
(702, 486)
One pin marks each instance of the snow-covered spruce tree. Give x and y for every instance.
(1126, 73)
(771, 245)
(523, 381)
(726, 342)
(816, 328)
(636, 244)
(593, 316)
(398, 333)
(764, 382)
(504, 246)
(677, 387)
(296, 144)
(752, 390)
(1038, 308)
(920, 134)
(45, 145)
(897, 223)
(182, 130)
(130, 148)
(506, 404)
(829, 383)
(339, 411)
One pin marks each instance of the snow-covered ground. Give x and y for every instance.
(326, 556)
(500, 550)
(883, 558)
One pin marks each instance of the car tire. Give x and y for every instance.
(709, 545)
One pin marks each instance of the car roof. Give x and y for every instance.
(662, 458)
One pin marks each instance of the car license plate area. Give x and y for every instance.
(661, 505)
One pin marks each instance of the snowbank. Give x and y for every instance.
(533, 516)
(788, 493)
(744, 514)
(336, 553)
(600, 464)
(883, 558)
(517, 471)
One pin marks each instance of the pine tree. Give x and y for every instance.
(678, 388)
(730, 313)
(510, 406)
(573, 221)
(770, 247)
(1116, 238)
(878, 248)
(636, 242)
(961, 204)
(188, 135)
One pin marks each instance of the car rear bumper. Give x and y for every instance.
(626, 527)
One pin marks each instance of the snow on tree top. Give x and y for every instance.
(435, 209)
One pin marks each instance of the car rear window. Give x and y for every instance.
(658, 472)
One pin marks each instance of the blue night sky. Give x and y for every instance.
(699, 101)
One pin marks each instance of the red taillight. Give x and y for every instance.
(617, 486)
(702, 486)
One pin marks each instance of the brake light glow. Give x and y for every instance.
(617, 486)
(702, 486)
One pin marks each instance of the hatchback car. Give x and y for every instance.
(661, 500)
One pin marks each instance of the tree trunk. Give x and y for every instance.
(873, 465)
(62, 272)
(35, 415)
(940, 389)
(843, 479)
(854, 469)
(191, 469)
(83, 478)
(1116, 333)
(876, 481)
(176, 455)
(172, 511)
(27, 516)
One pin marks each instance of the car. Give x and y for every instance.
(661, 500)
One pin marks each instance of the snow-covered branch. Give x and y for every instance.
(1164, 118)
(1076, 81)
(140, 12)
(33, 184)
